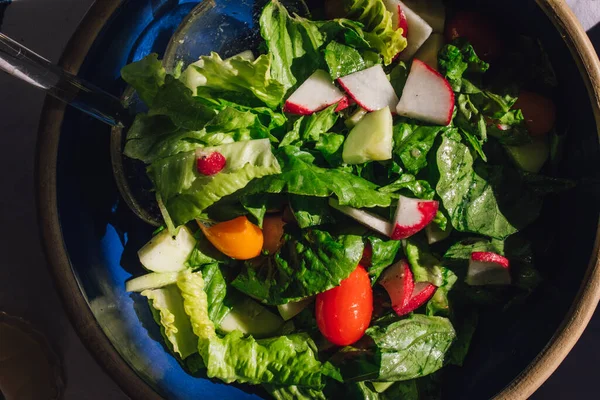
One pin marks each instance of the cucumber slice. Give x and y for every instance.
(371, 139)
(531, 157)
(163, 253)
(153, 280)
(249, 317)
(290, 310)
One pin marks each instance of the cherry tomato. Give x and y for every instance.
(478, 30)
(344, 312)
(272, 232)
(539, 112)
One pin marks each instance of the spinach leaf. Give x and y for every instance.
(300, 176)
(412, 347)
(488, 200)
(342, 60)
(310, 211)
(330, 146)
(412, 144)
(383, 255)
(309, 262)
(420, 188)
(402, 350)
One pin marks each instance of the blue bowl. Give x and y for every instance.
(91, 237)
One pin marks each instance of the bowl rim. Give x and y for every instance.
(77, 307)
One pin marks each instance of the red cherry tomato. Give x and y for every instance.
(539, 112)
(478, 30)
(344, 312)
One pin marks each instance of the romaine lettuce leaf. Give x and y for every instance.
(310, 262)
(293, 42)
(167, 308)
(311, 211)
(186, 193)
(294, 393)
(484, 199)
(284, 360)
(146, 77)
(300, 176)
(175, 101)
(308, 129)
(379, 31)
(237, 76)
(420, 188)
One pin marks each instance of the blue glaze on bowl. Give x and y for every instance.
(100, 233)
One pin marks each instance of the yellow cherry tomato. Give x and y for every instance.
(237, 238)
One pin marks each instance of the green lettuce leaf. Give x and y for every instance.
(293, 43)
(284, 360)
(488, 200)
(236, 76)
(175, 101)
(146, 77)
(308, 129)
(186, 193)
(379, 31)
(300, 176)
(294, 393)
(166, 305)
(309, 262)
(330, 146)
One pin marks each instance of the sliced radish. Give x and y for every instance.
(398, 281)
(315, 94)
(432, 11)
(417, 30)
(428, 53)
(405, 294)
(487, 268)
(344, 103)
(412, 215)
(422, 292)
(370, 88)
(369, 220)
(427, 96)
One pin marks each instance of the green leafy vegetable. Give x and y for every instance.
(237, 76)
(343, 60)
(420, 188)
(310, 211)
(294, 393)
(145, 76)
(309, 262)
(300, 176)
(284, 360)
(412, 144)
(186, 193)
(379, 31)
(489, 200)
(293, 43)
(167, 308)
(412, 347)
(383, 255)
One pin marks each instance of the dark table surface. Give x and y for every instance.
(26, 289)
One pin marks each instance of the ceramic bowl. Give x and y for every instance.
(91, 237)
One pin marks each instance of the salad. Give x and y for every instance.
(341, 205)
